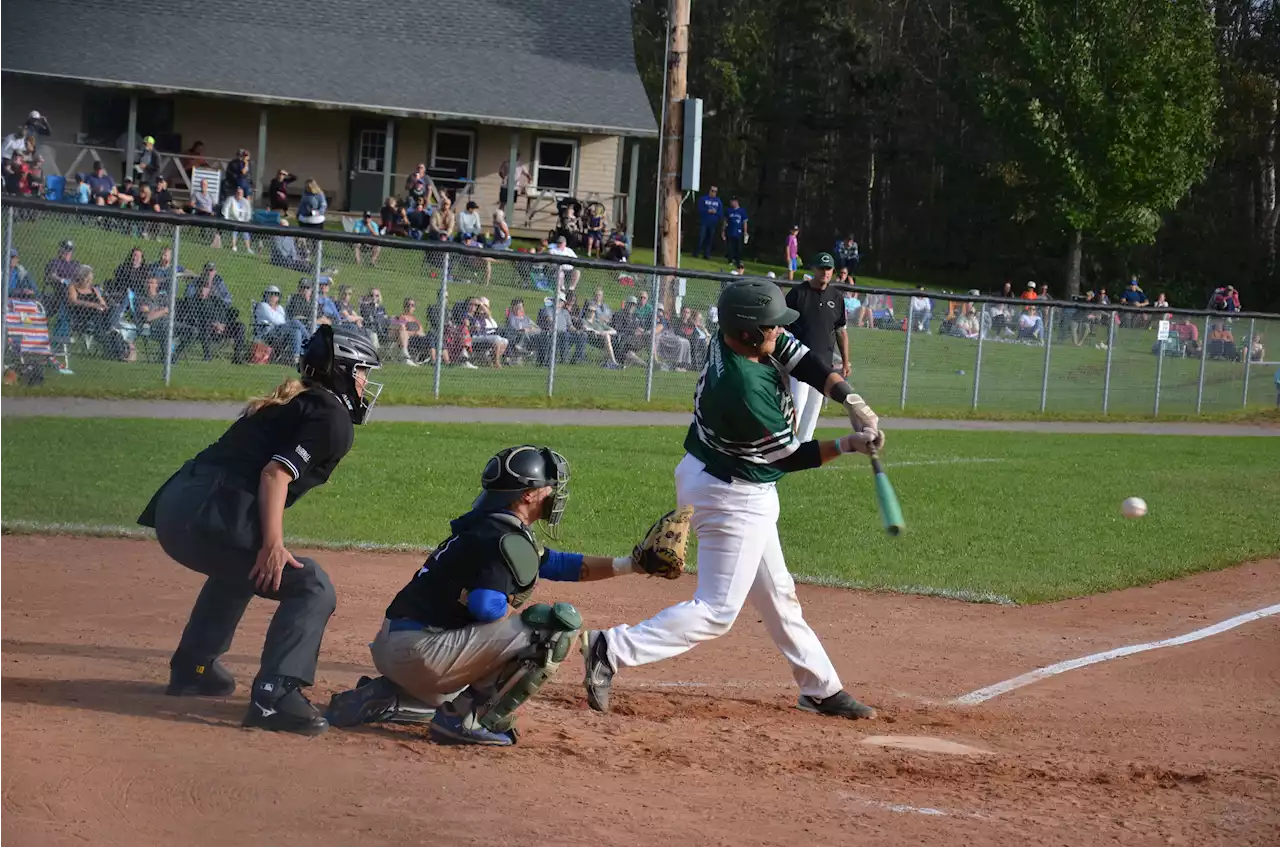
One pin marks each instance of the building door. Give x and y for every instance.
(368, 160)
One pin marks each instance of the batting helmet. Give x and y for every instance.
(746, 306)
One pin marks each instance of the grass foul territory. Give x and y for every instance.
(992, 516)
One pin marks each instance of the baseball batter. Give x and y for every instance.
(741, 441)
(821, 322)
(222, 515)
(450, 651)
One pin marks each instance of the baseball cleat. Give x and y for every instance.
(370, 701)
(450, 728)
(280, 706)
(838, 705)
(599, 672)
(199, 679)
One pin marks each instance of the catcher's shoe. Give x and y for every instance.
(599, 672)
(279, 705)
(375, 701)
(838, 705)
(449, 727)
(189, 678)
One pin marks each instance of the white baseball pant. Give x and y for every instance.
(739, 558)
(808, 402)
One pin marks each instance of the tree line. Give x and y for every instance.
(966, 142)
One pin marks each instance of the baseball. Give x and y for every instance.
(1133, 507)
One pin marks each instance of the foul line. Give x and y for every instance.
(984, 694)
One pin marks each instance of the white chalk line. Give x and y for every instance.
(984, 694)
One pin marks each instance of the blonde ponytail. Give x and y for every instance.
(283, 393)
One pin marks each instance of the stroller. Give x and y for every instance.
(573, 228)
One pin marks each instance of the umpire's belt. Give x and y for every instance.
(404, 625)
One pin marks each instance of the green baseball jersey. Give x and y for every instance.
(744, 417)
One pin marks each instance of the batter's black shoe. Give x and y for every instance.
(199, 679)
(599, 673)
(838, 705)
(279, 705)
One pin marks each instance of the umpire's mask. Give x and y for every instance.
(516, 470)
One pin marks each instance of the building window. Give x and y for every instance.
(373, 150)
(453, 152)
(554, 164)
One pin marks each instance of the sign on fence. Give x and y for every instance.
(1163, 333)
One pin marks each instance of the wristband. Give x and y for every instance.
(623, 565)
(841, 391)
(840, 446)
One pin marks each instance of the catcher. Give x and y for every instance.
(459, 649)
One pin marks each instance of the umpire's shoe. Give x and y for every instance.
(838, 705)
(197, 678)
(279, 705)
(599, 672)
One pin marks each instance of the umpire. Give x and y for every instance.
(821, 324)
(222, 515)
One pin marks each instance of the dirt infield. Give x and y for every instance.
(1173, 746)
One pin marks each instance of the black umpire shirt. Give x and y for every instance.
(471, 558)
(821, 314)
(309, 435)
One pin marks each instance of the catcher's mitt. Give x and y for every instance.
(661, 553)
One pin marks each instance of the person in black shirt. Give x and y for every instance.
(449, 650)
(222, 515)
(821, 323)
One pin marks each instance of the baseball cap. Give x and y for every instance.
(271, 289)
(632, 299)
(34, 116)
(1031, 285)
(824, 260)
(67, 245)
(148, 140)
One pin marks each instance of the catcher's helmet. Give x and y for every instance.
(518, 469)
(746, 306)
(331, 357)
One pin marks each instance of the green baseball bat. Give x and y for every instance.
(890, 511)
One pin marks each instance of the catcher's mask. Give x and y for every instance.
(516, 470)
(332, 357)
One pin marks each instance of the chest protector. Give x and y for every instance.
(521, 553)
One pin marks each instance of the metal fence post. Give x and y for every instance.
(555, 340)
(1155, 413)
(1106, 378)
(173, 306)
(1204, 357)
(1248, 342)
(1048, 346)
(315, 287)
(653, 342)
(906, 357)
(977, 364)
(8, 280)
(440, 319)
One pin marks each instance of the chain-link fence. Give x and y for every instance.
(103, 303)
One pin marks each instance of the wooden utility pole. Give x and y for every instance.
(672, 133)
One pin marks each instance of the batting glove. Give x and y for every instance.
(864, 421)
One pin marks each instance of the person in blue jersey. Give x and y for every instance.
(710, 211)
(734, 231)
(458, 648)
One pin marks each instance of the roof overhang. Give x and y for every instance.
(368, 108)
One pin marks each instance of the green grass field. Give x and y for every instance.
(1031, 518)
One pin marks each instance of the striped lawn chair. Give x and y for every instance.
(27, 331)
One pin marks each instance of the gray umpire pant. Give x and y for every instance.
(213, 529)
